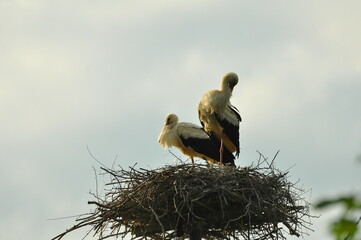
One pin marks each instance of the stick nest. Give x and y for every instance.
(223, 202)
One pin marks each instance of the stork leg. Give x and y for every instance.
(192, 160)
(221, 152)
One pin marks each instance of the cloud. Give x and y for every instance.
(106, 74)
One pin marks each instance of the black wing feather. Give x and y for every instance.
(208, 147)
(236, 112)
(232, 131)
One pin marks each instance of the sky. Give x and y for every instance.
(102, 75)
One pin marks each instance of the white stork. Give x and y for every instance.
(192, 141)
(218, 117)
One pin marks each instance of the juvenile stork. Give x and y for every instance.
(218, 117)
(192, 141)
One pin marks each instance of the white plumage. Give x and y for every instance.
(218, 117)
(191, 140)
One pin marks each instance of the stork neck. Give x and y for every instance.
(225, 88)
(226, 91)
(222, 99)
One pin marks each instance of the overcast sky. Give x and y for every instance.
(106, 73)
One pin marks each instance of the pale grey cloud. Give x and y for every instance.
(106, 74)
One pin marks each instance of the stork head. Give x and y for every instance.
(171, 120)
(229, 81)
